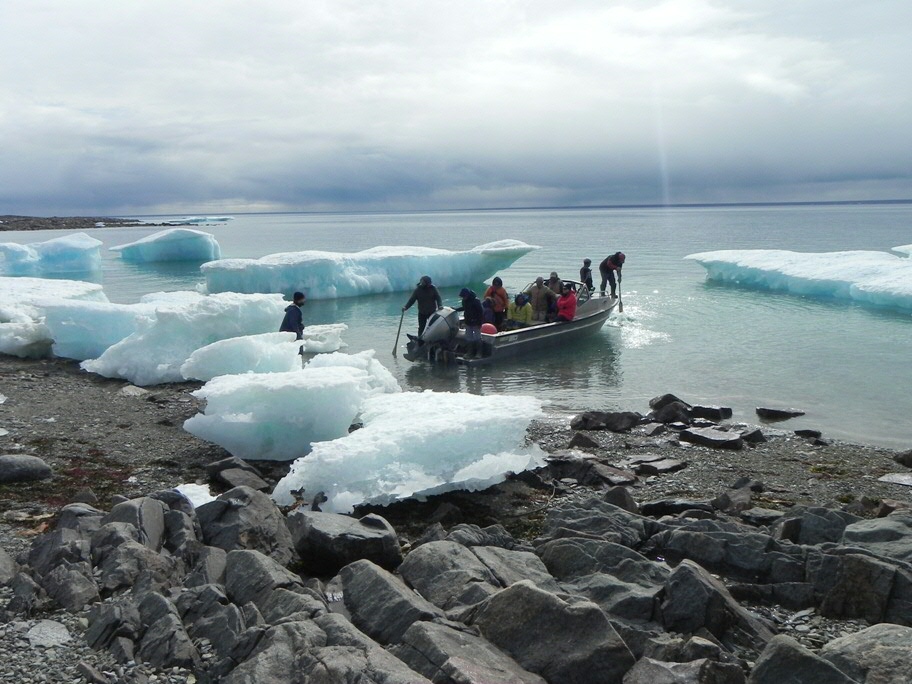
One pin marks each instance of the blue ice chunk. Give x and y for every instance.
(76, 253)
(174, 244)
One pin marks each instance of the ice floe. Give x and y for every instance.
(175, 244)
(328, 275)
(875, 278)
(76, 253)
(415, 444)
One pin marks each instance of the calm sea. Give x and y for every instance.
(847, 366)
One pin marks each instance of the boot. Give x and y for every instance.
(471, 348)
(613, 295)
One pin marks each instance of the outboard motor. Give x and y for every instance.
(441, 328)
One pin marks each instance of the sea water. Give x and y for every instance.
(848, 366)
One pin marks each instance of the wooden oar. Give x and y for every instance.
(396, 343)
(620, 301)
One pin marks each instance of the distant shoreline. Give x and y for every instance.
(15, 223)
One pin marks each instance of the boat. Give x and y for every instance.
(443, 339)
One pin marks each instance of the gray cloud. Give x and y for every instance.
(167, 106)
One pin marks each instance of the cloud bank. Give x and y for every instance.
(167, 106)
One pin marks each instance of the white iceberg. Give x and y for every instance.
(175, 244)
(23, 331)
(161, 344)
(876, 278)
(378, 379)
(904, 249)
(277, 416)
(76, 253)
(417, 444)
(276, 352)
(196, 494)
(330, 275)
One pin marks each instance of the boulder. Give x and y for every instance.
(8, 567)
(622, 498)
(664, 400)
(733, 501)
(208, 614)
(276, 654)
(882, 653)
(108, 537)
(653, 464)
(523, 620)
(785, 660)
(110, 621)
(231, 463)
(253, 577)
(381, 605)
(695, 600)
(587, 471)
(616, 421)
(210, 563)
(714, 413)
(594, 518)
(808, 434)
(712, 437)
(511, 566)
(581, 440)
(768, 413)
(492, 535)
(760, 517)
(146, 514)
(813, 525)
(904, 458)
(23, 468)
(702, 671)
(674, 412)
(55, 547)
(890, 537)
(444, 654)
(165, 643)
(326, 542)
(71, 586)
(854, 586)
(238, 477)
(244, 518)
(753, 436)
(663, 507)
(123, 567)
(47, 634)
(80, 517)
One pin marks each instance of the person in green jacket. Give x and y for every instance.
(519, 312)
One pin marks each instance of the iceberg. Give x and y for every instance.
(175, 244)
(378, 380)
(155, 352)
(23, 331)
(276, 352)
(874, 278)
(196, 494)
(330, 275)
(277, 416)
(416, 444)
(904, 249)
(76, 253)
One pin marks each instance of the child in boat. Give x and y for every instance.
(586, 274)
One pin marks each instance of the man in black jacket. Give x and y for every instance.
(473, 314)
(428, 299)
(294, 318)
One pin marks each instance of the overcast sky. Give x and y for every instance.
(239, 105)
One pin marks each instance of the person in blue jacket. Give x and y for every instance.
(473, 314)
(294, 318)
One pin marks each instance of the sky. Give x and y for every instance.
(157, 106)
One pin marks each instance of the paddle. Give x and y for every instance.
(620, 301)
(396, 343)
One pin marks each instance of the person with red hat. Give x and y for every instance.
(607, 268)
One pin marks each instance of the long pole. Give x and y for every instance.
(620, 301)
(396, 343)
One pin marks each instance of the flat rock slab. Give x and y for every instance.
(48, 634)
(711, 437)
(897, 478)
(768, 413)
(658, 467)
(760, 516)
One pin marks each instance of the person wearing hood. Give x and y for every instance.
(499, 296)
(473, 314)
(294, 318)
(566, 304)
(541, 298)
(609, 265)
(428, 299)
(519, 313)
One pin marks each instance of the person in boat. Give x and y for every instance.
(586, 274)
(607, 268)
(473, 315)
(501, 300)
(555, 284)
(428, 299)
(487, 308)
(294, 318)
(519, 312)
(541, 298)
(566, 304)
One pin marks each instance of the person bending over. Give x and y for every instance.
(607, 268)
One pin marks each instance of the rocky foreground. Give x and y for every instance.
(666, 547)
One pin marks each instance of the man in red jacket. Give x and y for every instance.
(566, 304)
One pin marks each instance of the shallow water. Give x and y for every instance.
(846, 365)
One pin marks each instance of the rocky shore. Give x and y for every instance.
(63, 222)
(667, 545)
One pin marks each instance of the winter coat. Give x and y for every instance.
(428, 299)
(293, 321)
(499, 295)
(473, 312)
(540, 298)
(566, 306)
(520, 314)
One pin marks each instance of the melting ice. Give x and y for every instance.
(76, 253)
(327, 275)
(417, 444)
(877, 278)
(277, 416)
(175, 244)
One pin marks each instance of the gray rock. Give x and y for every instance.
(81, 517)
(130, 561)
(510, 566)
(71, 586)
(523, 621)
(444, 654)
(28, 596)
(733, 501)
(715, 413)
(785, 660)
(768, 413)
(760, 517)
(208, 614)
(208, 568)
(182, 535)
(105, 540)
(380, 604)
(146, 514)
(620, 421)
(165, 642)
(238, 477)
(904, 458)
(882, 653)
(8, 567)
(581, 440)
(276, 655)
(108, 621)
(808, 434)
(23, 468)
(712, 437)
(326, 542)
(231, 463)
(813, 525)
(904, 479)
(753, 436)
(651, 464)
(244, 518)
(664, 507)
(595, 519)
(854, 586)
(663, 400)
(890, 537)
(702, 671)
(251, 576)
(57, 546)
(695, 600)
(587, 470)
(48, 634)
(673, 412)
(621, 497)
(493, 535)
(448, 575)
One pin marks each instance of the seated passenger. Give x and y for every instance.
(497, 293)
(541, 298)
(519, 312)
(566, 304)
(555, 284)
(487, 306)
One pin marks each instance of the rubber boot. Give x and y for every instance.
(471, 348)
(613, 293)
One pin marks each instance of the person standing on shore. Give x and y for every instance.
(607, 268)
(294, 318)
(428, 299)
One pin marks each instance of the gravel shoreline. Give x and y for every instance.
(115, 439)
(10, 222)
